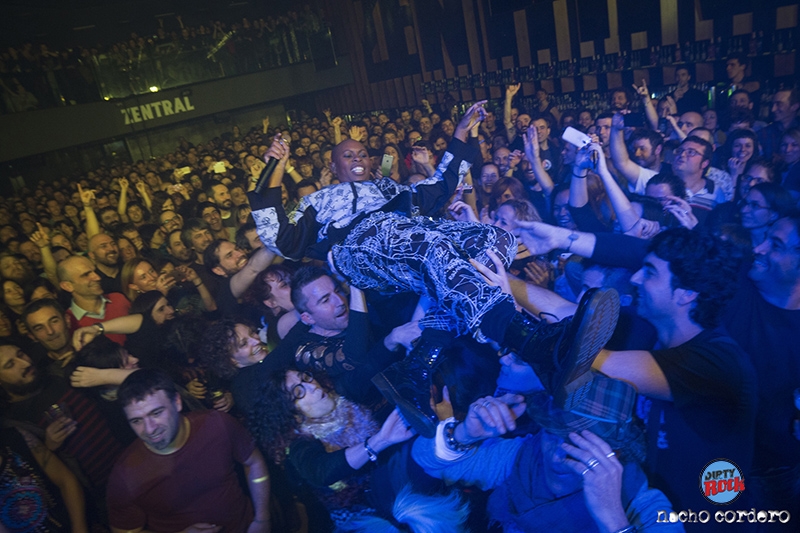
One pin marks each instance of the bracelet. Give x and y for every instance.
(101, 328)
(288, 169)
(261, 479)
(633, 226)
(579, 176)
(627, 529)
(370, 452)
(450, 438)
(198, 284)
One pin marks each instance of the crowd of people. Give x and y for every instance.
(366, 320)
(174, 53)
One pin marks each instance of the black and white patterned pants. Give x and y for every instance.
(393, 253)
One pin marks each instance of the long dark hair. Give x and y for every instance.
(145, 304)
(274, 419)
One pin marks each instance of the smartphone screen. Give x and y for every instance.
(386, 164)
(219, 167)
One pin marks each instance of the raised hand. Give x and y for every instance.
(475, 114)
(41, 237)
(539, 238)
(495, 279)
(123, 183)
(355, 133)
(642, 91)
(531, 143)
(736, 166)
(165, 283)
(278, 150)
(682, 211)
(336, 122)
(419, 154)
(394, 429)
(256, 167)
(618, 122)
(490, 417)
(86, 196)
(512, 90)
(325, 177)
(462, 212)
(593, 459)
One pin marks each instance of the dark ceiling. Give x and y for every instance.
(71, 22)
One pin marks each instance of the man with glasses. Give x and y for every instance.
(692, 158)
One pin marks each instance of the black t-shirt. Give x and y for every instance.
(711, 416)
(692, 100)
(771, 337)
(110, 284)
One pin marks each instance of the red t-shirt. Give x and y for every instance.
(198, 483)
(117, 306)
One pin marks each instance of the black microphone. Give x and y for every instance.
(263, 179)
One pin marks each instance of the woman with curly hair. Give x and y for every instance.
(355, 466)
(229, 346)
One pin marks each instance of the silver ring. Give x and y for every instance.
(584, 472)
(592, 463)
(686, 212)
(486, 404)
(610, 455)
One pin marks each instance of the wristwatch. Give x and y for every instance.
(572, 238)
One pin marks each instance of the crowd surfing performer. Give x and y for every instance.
(377, 238)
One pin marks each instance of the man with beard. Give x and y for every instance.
(764, 318)
(645, 145)
(226, 260)
(177, 252)
(180, 475)
(61, 416)
(521, 124)
(220, 195)
(212, 215)
(103, 250)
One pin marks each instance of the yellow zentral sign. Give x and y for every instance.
(162, 108)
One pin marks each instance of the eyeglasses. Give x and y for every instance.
(753, 180)
(298, 391)
(755, 206)
(690, 152)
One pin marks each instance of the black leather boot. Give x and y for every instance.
(407, 384)
(562, 354)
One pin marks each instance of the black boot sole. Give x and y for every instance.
(593, 325)
(421, 423)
